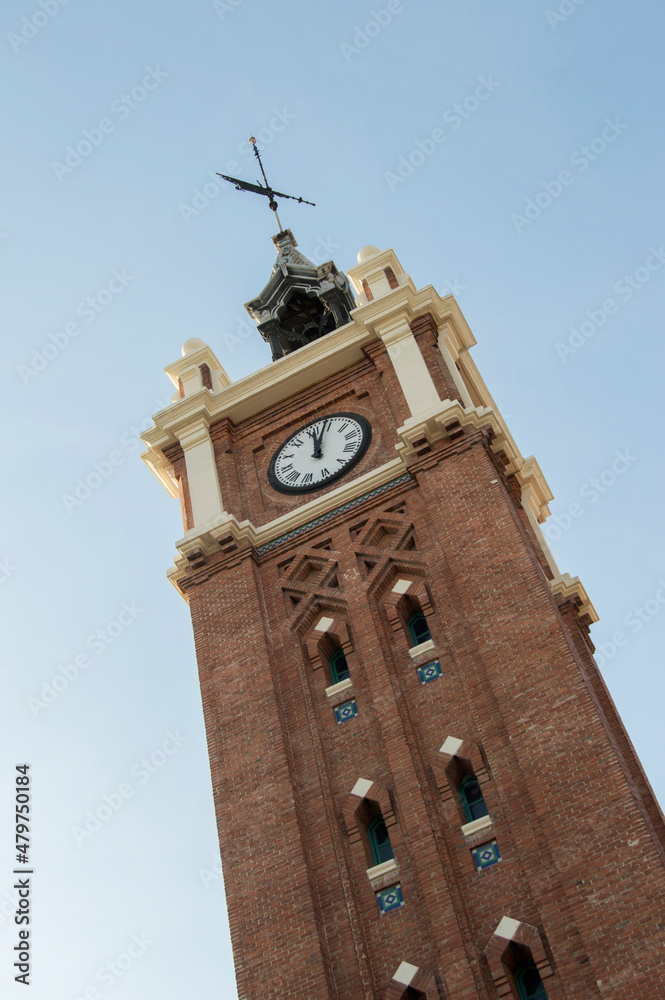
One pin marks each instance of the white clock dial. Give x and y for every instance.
(319, 452)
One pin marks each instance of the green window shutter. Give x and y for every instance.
(471, 797)
(418, 628)
(339, 670)
(529, 983)
(379, 841)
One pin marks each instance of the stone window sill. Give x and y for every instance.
(476, 826)
(383, 874)
(422, 649)
(342, 689)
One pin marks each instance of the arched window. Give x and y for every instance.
(379, 841)
(339, 668)
(471, 797)
(529, 983)
(418, 628)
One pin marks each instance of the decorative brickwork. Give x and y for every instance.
(504, 953)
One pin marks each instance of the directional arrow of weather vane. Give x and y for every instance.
(258, 188)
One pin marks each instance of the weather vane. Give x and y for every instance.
(258, 188)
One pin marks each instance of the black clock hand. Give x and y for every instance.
(317, 452)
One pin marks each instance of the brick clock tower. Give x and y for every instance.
(422, 786)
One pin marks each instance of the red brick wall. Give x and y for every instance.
(574, 818)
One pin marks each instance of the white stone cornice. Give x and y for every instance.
(535, 489)
(568, 586)
(162, 469)
(393, 329)
(194, 433)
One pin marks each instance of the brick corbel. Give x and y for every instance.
(498, 951)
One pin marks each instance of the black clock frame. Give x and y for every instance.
(366, 430)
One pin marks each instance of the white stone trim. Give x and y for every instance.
(385, 868)
(405, 974)
(340, 688)
(361, 787)
(538, 532)
(451, 746)
(323, 624)
(402, 586)
(454, 372)
(407, 360)
(202, 478)
(508, 928)
(567, 586)
(373, 270)
(188, 370)
(476, 825)
(423, 647)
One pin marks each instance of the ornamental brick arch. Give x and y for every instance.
(403, 593)
(456, 755)
(512, 941)
(365, 790)
(328, 630)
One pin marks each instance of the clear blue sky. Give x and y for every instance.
(562, 111)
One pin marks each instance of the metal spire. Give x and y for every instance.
(258, 188)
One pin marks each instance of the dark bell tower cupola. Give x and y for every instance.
(301, 301)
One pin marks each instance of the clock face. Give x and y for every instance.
(319, 453)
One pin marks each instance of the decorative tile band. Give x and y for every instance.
(430, 672)
(486, 855)
(346, 711)
(333, 513)
(390, 899)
